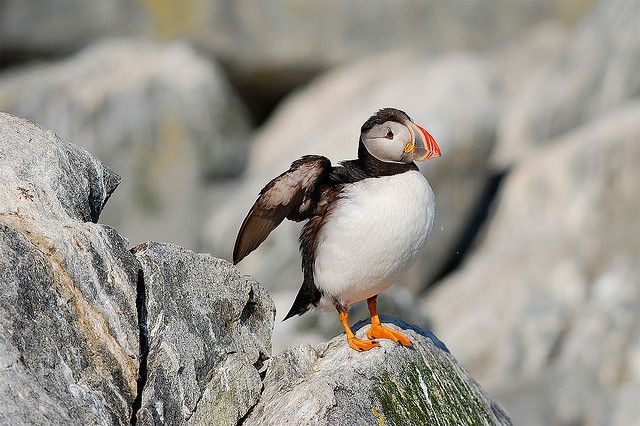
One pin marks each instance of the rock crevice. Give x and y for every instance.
(143, 330)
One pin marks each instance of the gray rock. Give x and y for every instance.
(596, 72)
(162, 115)
(72, 346)
(333, 384)
(65, 26)
(209, 334)
(69, 341)
(553, 289)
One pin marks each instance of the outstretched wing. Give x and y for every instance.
(291, 195)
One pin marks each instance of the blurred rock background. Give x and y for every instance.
(532, 276)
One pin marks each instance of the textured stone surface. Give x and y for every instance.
(209, 333)
(68, 327)
(160, 115)
(597, 71)
(554, 287)
(333, 384)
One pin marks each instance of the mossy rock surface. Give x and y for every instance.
(390, 385)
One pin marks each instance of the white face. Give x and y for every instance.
(387, 142)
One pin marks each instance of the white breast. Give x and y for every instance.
(375, 232)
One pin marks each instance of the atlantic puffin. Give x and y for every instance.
(367, 219)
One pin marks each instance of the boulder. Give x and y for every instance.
(47, 29)
(209, 332)
(392, 385)
(596, 72)
(553, 287)
(92, 333)
(69, 350)
(162, 115)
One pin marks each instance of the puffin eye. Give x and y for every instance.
(389, 134)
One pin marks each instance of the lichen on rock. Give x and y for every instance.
(393, 385)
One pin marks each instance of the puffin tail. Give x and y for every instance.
(296, 310)
(308, 295)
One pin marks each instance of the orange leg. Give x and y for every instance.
(379, 331)
(352, 340)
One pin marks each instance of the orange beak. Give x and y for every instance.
(425, 146)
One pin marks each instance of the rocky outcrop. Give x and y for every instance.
(209, 332)
(161, 115)
(392, 385)
(87, 325)
(559, 263)
(94, 333)
(69, 340)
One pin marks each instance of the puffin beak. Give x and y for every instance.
(425, 146)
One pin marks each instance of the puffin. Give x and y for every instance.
(367, 220)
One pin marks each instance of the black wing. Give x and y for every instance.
(291, 195)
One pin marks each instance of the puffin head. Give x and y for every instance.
(390, 135)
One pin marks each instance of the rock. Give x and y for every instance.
(163, 116)
(523, 65)
(553, 288)
(333, 384)
(63, 27)
(209, 334)
(597, 72)
(73, 295)
(523, 62)
(69, 341)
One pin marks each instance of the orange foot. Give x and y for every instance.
(361, 344)
(379, 331)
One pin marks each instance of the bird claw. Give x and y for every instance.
(378, 331)
(362, 344)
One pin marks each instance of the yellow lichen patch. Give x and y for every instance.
(177, 19)
(379, 415)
